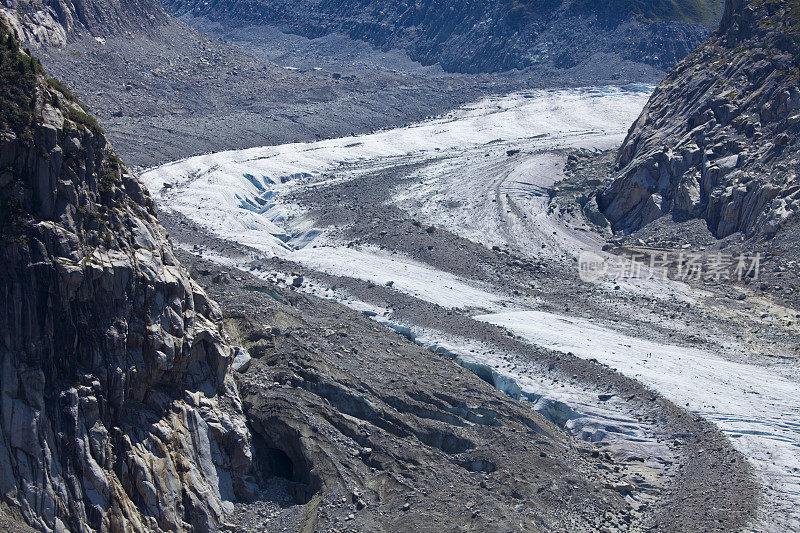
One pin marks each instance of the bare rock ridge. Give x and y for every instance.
(719, 139)
(472, 36)
(117, 408)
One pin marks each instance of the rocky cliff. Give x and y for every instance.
(718, 140)
(53, 22)
(498, 35)
(117, 410)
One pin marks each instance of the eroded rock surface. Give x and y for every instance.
(370, 432)
(54, 22)
(117, 409)
(719, 138)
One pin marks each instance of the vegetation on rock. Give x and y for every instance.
(692, 11)
(18, 83)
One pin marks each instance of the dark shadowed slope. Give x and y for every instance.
(479, 36)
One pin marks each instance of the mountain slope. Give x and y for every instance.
(477, 36)
(164, 91)
(719, 139)
(692, 11)
(118, 412)
(56, 21)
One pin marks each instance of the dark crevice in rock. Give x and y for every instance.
(446, 441)
(279, 453)
(478, 465)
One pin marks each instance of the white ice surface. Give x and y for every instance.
(236, 194)
(407, 275)
(756, 406)
(574, 406)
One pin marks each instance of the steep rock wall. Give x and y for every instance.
(54, 22)
(719, 139)
(117, 410)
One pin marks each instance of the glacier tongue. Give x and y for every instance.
(473, 184)
(237, 194)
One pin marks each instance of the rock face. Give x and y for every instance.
(117, 409)
(53, 22)
(489, 36)
(718, 140)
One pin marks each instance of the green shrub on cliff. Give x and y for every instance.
(18, 80)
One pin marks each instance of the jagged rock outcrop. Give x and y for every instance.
(117, 409)
(489, 36)
(53, 22)
(719, 139)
